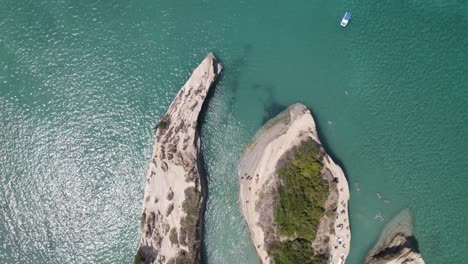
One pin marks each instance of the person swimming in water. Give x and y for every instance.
(356, 184)
(379, 216)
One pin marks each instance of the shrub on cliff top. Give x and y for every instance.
(301, 198)
(302, 194)
(295, 252)
(189, 224)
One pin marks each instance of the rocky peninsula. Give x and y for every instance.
(396, 244)
(175, 188)
(292, 194)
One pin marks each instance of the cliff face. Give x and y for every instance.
(396, 244)
(293, 131)
(174, 191)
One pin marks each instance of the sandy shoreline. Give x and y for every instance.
(258, 165)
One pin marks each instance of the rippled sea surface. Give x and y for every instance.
(83, 82)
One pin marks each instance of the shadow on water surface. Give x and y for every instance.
(234, 71)
(326, 145)
(271, 106)
(272, 109)
(202, 120)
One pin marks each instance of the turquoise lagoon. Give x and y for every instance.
(83, 82)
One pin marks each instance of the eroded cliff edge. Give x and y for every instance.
(293, 196)
(174, 191)
(396, 244)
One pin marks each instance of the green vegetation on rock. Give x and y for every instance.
(293, 252)
(189, 223)
(137, 259)
(300, 205)
(163, 124)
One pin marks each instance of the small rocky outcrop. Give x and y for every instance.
(174, 192)
(396, 244)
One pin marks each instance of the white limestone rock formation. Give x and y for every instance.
(259, 186)
(174, 192)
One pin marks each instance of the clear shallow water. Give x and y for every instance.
(81, 85)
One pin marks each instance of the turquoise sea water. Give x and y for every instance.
(83, 82)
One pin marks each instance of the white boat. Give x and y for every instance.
(345, 19)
